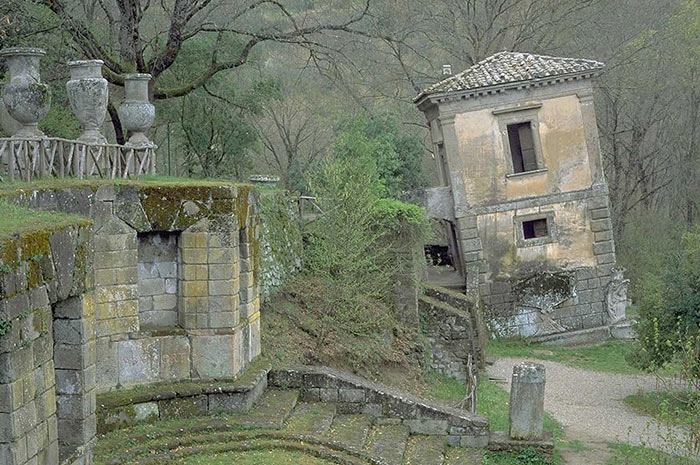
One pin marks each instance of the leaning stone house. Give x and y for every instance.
(523, 191)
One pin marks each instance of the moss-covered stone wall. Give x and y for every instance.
(69, 323)
(47, 364)
(280, 240)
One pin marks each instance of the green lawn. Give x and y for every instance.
(493, 403)
(257, 457)
(8, 187)
(607, 357)
(668, 407)
(18, 220)
(625, 454)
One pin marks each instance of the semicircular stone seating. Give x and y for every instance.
(284, 424)
(279, 422)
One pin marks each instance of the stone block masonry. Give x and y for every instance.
(160, 284)
(157, 273)
(584, 305)
(47, 346)
(356, 395)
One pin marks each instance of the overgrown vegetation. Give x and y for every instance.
(352, 253)
(280, 240)
(524, 457)
(625, 454)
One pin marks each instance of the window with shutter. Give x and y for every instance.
(522, 147)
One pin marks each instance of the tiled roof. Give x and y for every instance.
(511, 67)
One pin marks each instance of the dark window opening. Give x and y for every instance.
(522, 147)
(438, 255)
(535, 228)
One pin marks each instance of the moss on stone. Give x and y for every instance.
(243, 204)
(186, 388)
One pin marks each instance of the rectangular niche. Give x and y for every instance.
(158, 262)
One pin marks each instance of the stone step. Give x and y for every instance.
(313, 418)
(270, 411)
(350, 430)
(425, 450)
(388, 443)
(463, 456)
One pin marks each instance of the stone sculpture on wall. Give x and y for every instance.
(616, 298)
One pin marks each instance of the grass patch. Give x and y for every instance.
(256, 457)
(608, 357)
(625, 454)
(669, 407)
(8, 188)
(494, 403)
(18, 220)
(445, 390)
(524, 457)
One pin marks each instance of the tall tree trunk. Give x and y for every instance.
(116, 123)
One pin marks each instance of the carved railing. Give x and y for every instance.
(27, 159)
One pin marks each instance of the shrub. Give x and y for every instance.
(396, 154)
(669, 306)
(350, 255)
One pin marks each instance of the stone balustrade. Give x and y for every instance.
(29, 154)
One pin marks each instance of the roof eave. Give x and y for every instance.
(420, 99)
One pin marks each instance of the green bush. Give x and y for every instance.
(280, 240)
(669, 305)
(396, 154)
(350, 260)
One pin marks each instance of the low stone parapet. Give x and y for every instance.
(353, 394)
(183, 399)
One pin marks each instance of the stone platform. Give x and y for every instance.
(282, 419)
(621, 330)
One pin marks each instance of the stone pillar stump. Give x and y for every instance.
(527, 401)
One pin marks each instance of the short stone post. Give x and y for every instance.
(527, 401)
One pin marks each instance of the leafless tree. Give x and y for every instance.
(145, 43)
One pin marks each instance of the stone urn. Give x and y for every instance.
(8, 124)
(26, 98)
(87, 92)
(137, 113)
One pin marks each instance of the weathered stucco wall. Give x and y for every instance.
(482, 163)
(491, 201)
(573, 247)
(99, 341)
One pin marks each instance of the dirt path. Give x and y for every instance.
(590, 407)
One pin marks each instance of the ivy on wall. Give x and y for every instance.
(280, 240)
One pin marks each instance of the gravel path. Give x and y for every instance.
(590, 404)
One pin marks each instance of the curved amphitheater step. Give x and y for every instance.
(337, 418)
(351, 430)
(388, 442)
(425, 449)
(277, 421)
(313, 418)
(271, 410)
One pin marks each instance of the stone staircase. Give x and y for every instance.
(279, 419)
(318, 411)
(455, 327)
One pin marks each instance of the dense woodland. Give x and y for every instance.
(278, 86)
(272, 87)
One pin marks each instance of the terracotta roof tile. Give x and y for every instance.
(511, 67)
